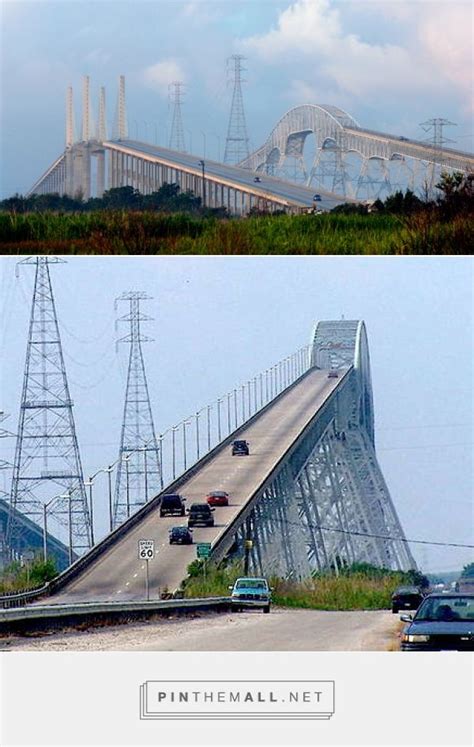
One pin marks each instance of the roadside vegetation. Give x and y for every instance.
(16, 577)
(355, 587)
(171, 222)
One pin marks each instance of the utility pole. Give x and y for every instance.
(138, 430)
(177, 132)
(237, 142)
(47, 450)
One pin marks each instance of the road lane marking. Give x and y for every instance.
(135, 575)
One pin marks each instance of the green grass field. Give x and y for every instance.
(354, 591)
(128, 232)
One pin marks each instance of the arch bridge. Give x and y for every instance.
(337, 136)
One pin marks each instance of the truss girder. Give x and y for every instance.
(327, 504)
(329, 123)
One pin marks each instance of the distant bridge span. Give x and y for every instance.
(334, 127)
(310, 495)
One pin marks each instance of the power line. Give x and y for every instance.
(382, 537)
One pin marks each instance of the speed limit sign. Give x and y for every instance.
(146, 549)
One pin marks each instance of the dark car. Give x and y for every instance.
(181, 536)
(240, 448)
(407, 598)
(172, 504)
(200, 513)
(333, 374)
(257, 180)
(218, 498)
(443, 622)
(317, 198)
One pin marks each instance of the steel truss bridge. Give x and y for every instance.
(285, 182)
(338, 136)
(309, 496)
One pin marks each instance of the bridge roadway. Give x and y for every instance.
(118, 574)
(270, 188)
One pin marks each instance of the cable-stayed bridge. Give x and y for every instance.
(274, 177)
(309, 496)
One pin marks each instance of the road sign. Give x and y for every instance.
(146, 549)
(203, 549)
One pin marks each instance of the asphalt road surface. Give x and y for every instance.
(119, 574)
(281, 630)
(268, 187)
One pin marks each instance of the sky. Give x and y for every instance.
(391, 64)
(218, 321)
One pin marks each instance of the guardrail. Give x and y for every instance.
(21, 598)
(48, 616)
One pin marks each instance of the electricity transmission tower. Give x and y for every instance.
(47, 459)
(139, 467)
(438, 141)
(237, 142)
(177, 133)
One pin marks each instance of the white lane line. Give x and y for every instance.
(119, 591)
(127, 583)
(135, 575)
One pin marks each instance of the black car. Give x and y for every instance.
(200, 513)
(240, 448)
(181, 536)
(407, 598)
(443, 622)
(172, 504)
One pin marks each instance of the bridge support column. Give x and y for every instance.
(100, 183)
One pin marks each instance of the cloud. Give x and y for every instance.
(431, 45)
(161, 74)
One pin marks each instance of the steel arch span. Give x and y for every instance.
(327, 504)
(288, 137)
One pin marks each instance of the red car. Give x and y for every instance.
(218, 498)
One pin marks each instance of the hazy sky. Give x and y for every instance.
(391, 64)
(218, 321)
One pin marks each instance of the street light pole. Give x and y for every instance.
(209, 427)
(127, 474)
(69, 494)
(109, 478)
(91, 509)
(173, 448)
(146, 472)
(196, 418)
(219, 400)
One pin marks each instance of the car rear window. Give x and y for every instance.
(200, 507)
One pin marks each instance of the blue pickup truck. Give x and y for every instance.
(251, 592)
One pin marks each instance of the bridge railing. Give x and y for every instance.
(21, 598)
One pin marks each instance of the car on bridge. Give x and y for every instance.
(317, 198)
(217, 498)
(257, 180)
(200, 513)
(443, 622)
(172, 504)
(181, 536)
(407, 598)
(251, 592)
(333, 374)
(240, 448)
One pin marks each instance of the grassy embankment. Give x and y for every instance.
(352, 590)
(127, 232)
(15, 577)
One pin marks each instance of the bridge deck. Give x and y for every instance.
(233, 176)
(118, 573)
